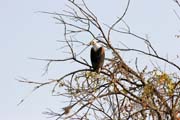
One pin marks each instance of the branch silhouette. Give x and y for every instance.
(120, 91)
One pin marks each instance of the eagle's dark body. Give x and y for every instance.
(97, 58)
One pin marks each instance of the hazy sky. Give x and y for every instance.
(26, 33)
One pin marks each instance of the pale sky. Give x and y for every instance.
(26, 33)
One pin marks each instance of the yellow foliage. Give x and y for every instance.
(170, 87)
(165, 79)
(124, 91)
(90, 74)
(148, 89)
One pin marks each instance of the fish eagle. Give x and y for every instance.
(97, 56)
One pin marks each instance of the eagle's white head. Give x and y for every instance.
(95, 45)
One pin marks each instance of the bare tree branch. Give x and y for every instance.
(119, 91)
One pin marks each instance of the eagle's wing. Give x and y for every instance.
(97, 58)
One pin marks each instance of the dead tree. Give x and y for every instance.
(120, 91)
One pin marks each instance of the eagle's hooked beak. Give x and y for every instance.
(89, 44)
(93, 42)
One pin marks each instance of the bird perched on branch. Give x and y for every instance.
(97, 56)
